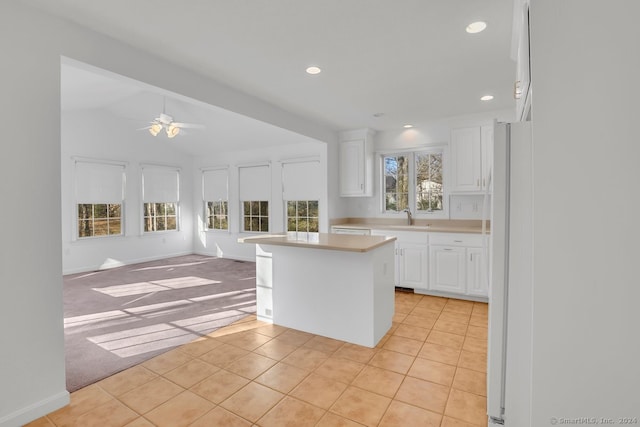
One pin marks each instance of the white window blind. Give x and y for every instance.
(301, 180)
(160, 184)
(215, 185)
(255, 182)
(99, 182)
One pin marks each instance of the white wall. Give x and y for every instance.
(32, 369)
(429, 133)
(224, 243)
(97, 134)
(586, 347)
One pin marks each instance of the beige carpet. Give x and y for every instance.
(118, 318)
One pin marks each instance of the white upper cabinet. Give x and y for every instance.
(471, 158)
(466, 161)
(356, 163)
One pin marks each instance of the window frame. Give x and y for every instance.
(75, 230)
(177, 216)
(143, 196)
(210, 213)
(93, 219)
(412, 176)
(298, 233)
(242, 212)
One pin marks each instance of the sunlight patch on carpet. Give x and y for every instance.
(155, 286)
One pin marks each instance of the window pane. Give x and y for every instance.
(302, 209)
(255, 208)
(170, 208)
(264, 224)
(224, 223)
(313, 225)
(115, 226)
(303, 224)
(100, 211)
(160, 223)
(396, 182)
(313, 208)
(115, 211)
(247, 224)
(255, 223)
(291, 224)
(264, 208)
(223, 207)
(85, 228)
(247, 208)
(429, 189)
(85, 211)
(160, 209)
(171, 223)
(100, 227)
(291, 209)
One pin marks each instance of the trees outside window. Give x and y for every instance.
(424, 170)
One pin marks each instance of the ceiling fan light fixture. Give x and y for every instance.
(155, 129)
(172, 131)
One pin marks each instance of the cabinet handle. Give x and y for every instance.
(471, 257)
(478, 182)
(517, 93)
(483, 182)
(458, 241)
(362, 186)
(448, 249)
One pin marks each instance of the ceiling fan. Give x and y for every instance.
(166, 122)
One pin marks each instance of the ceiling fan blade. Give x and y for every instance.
(188, 125)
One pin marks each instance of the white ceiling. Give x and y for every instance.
(408, 59)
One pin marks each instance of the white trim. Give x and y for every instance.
(122, 163)
(254, 164)
(438, 146)
(213, 168)
(301, 160)
(159, 165)
(35, 410)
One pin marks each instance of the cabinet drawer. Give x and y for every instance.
(456, 239)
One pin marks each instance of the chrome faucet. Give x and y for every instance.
(408, 211)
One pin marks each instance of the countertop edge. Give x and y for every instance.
(277, 240)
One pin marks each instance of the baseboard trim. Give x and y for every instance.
(35, 410)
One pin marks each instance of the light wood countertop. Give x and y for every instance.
(336, 242)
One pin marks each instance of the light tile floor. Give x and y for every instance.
(429, 370)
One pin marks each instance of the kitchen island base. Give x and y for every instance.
(344, 295)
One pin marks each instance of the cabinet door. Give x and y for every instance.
(466, 163)
(412, 265)
(352, 168)
(477, 283)
(447, 269)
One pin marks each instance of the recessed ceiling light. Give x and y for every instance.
(408, 126)
(313, 70)
(486, 98)
(476, 27)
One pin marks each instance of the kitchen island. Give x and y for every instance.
(337, 286)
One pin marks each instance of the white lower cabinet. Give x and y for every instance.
(412, 258)
(457, 264)
(477, 283)
(447, 269)
(412, 261)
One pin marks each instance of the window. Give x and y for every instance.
(255, 192)
(160, 217)
(302, 216)
(256, 216)
(217, 216)
(99, 191)
(99, 219)
(424, 169)
(160, 195)
(215, 196)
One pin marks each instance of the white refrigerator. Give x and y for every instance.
(510, 299)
